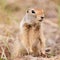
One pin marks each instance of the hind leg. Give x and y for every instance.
(42, 48)
(35, 48)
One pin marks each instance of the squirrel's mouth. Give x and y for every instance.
(41, 20)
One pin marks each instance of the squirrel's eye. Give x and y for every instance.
(33, 11)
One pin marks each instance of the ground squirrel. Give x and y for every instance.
(31, 32)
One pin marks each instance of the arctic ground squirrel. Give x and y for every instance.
(31, 32)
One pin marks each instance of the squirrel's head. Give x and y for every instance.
(35, 15)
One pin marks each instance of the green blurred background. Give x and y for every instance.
(15, 9)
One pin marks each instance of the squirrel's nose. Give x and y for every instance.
(42, 17)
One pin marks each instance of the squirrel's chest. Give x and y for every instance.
(34, 32)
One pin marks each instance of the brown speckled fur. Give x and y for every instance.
(32, 36)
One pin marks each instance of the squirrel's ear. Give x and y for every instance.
(27, 11)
